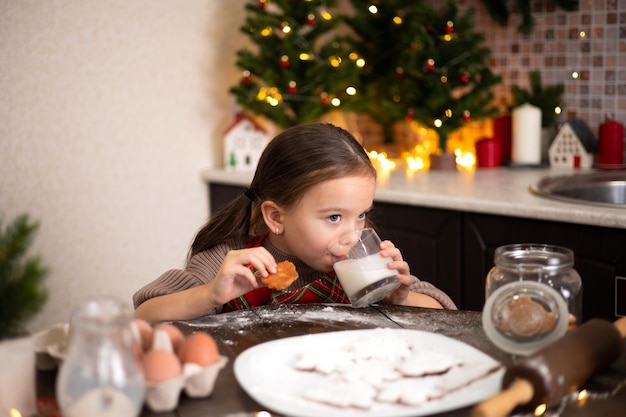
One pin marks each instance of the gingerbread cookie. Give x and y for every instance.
(285, 275)
(525, 317)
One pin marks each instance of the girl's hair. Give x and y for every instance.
(293, 162)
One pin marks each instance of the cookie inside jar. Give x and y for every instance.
(522, 317)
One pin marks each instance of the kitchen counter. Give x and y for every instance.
(449, 223)
(499, 191)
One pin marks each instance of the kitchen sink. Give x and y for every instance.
(606, 188)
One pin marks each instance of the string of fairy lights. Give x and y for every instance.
(292, 88)
(274, 95)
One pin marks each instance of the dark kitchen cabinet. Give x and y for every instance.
(429, 240)
(220, 194)
(454, 250)
(599, 257)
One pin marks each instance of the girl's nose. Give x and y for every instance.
(355, 226)
(345, 242)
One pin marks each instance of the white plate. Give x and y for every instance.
(267, 374)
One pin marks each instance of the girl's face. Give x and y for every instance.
(325, 212)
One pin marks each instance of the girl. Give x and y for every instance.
(313, 183)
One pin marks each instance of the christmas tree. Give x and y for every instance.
(421, 64)
(21, 277)
(300, 69)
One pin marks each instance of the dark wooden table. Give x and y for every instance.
(238, 331)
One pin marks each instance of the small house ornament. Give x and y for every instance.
(244, 141)
(573, 146)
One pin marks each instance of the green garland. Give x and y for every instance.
(500, 13)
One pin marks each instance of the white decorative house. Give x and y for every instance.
(244, 142)
(573, 146)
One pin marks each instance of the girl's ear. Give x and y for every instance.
(273, 215)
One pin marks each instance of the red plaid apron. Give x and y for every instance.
(325, 289)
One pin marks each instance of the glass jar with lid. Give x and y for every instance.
(533, 294)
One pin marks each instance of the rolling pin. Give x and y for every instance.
(546, 376)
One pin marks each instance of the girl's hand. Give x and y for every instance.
(236, 276)
(399, 296)
(233, 279)
(403, 295)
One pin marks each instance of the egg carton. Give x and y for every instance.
(51, 346)
(196, 381)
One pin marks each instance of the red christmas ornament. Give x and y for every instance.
(464, 78)
(410, 115)
(400, 73)
(430, 65)
(466, 116)
(310, 19)
(262, 4)
(449, 27)
(292, 89)
(284, 61)
(246, 77)
(324, 100)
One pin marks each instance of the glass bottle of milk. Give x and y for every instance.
(101, 375)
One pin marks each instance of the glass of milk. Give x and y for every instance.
(361, 269)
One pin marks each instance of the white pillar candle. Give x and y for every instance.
(526, 134)
(17, 377)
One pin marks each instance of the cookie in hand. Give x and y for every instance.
(285, 275)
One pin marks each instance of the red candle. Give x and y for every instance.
(611, 143)
(488, 153)
(502, 133)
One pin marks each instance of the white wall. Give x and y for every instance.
(109, 110)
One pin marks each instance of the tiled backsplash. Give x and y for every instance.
(584, 50)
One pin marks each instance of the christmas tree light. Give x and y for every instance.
(294, 76)
(422, 64)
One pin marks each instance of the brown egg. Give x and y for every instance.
(146, 333)
(199, 348)
(160, 365)
(176, 336)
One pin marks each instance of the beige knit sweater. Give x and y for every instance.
(203, 267)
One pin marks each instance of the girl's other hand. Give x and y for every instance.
(389, 250)
(403, 295)
(399, 296)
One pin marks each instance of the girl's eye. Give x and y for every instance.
(334, 218)
(362, 216)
